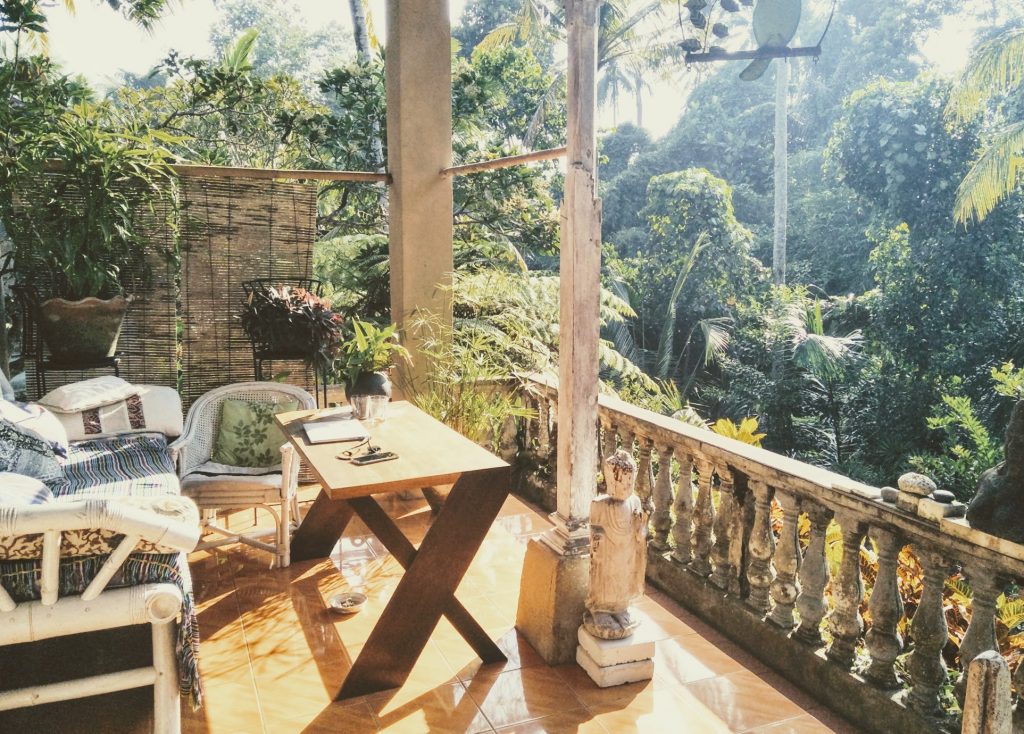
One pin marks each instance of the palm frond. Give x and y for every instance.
(996, 67)
(993, 176)
(501, 36)
(665, 351)
(238, 56)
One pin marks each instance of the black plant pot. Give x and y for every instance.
(369, 383)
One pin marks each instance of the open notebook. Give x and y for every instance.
(335, 430)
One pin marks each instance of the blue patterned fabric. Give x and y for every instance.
(136, 465)
(22, 581)
(120, 466)
(25, 452)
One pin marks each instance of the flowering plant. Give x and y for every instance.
(292, 322)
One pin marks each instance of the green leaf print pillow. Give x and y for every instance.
(248, 435)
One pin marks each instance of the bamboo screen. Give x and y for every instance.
(234, 230)
(148, 342)
(228, 231)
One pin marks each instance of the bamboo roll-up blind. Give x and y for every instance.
(148, 341)
(234, 230)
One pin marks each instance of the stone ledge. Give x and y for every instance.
(874, 710)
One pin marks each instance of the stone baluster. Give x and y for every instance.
(845, 623)
(725, 526)
(627, 439)
(703, 520)
(683, 506)
(530, 422)
(814, 576)
(883, 639)
(785, 588)
(762, 546)
(608, 444)
(543, 427)
(928, 628)
(981, 633)
(508, 440)
(662, 519)
(645, 473)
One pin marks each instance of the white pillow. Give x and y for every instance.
(22, 490)
(38, 420)
(88, 394)
(6, 389)
(150, 408)
(19, 490)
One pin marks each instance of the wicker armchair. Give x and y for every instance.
(216, 487)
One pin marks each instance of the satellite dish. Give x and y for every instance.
(774, 23)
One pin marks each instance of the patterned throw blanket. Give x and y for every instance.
(135, 466)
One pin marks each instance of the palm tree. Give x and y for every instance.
(996, 68)
(622, 52)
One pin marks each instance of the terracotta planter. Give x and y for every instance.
(82, 330)
(369, 383)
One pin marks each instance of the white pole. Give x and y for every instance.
(781, 170)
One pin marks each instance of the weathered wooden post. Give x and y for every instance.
(555, 573)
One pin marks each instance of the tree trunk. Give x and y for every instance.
(361, 36)
(360, 31)
(781, 170)
(5, 345)
(638, 86)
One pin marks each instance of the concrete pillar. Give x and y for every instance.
(556, 569)
(419, 96)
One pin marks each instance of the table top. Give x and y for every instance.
(429, 454)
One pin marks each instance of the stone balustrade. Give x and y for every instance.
(718, 547)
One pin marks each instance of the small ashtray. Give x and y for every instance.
(348, 603)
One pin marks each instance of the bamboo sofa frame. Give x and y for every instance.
(98, 608)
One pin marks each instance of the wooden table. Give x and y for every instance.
(430, 454)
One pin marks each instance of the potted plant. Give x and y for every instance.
(77, 221)
(365, 360)
(292, 322)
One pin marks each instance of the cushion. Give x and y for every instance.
(6, 389)
(248, 435)
(24, 452)
(18, 490)
(207, 482)
(38, 420)
(79, 396)
(150, 408)
(132, 465)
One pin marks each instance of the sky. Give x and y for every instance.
(98, 43)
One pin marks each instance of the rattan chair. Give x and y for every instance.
(216, 487)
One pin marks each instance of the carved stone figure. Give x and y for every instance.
(618, 552)
(998, 505)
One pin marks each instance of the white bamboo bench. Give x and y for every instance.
(97, 607)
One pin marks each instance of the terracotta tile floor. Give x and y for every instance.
(272, 654)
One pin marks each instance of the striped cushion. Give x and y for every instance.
(132, 465)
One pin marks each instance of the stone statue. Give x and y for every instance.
(618, 552)
(998, 505)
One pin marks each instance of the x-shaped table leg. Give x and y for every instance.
(427, 591)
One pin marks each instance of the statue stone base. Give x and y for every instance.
(615, 662)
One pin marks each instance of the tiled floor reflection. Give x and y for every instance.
(272, 654)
